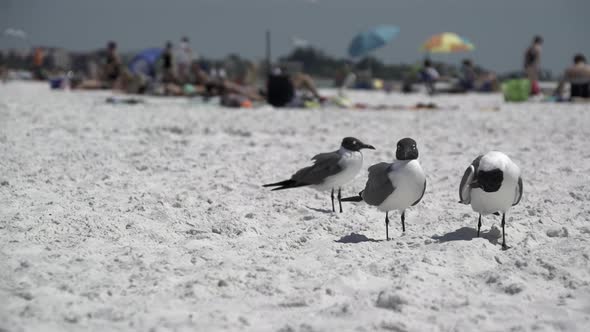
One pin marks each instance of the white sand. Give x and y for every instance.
(152, 218)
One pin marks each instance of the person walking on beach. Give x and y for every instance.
(532, 60)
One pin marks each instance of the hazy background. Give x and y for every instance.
(500, 29)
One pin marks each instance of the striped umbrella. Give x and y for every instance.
(447, 42)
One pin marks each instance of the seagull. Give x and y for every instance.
(491, 184)
(330, 170)
(395, 186)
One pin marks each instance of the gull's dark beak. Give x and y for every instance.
(410, 154)
(367, 146)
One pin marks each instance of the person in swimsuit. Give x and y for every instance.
(532, 61)
(168, 64)
(112, 65)
(578, 76)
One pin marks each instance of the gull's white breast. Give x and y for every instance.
(408, 179)
(351, 163)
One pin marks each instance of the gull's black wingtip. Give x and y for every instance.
(287, 184)
(352, 199)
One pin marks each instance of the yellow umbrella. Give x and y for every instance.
(447, 42)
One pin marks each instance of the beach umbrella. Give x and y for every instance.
(370, 40)
(145, 62)
(447, 42)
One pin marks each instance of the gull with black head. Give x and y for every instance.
(330, 170)
(395, 186)
(492, 185)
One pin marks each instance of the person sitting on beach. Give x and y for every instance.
(578, 76)
(472, 80)
(127, 82)
(487, 82)
(201, 84)
(429, 76)
(284, 90)
(112, 66)
(468, 76)
(110, 75)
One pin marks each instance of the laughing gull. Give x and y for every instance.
(395, 186)
(491, 184)
(330, 170)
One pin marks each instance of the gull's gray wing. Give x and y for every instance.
(378, 186)
(423, 190)
(518, 193)
(325, 165)
(468, 177)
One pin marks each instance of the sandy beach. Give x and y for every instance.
(152, 217)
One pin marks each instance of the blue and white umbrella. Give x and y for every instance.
(145, 62)
(373, 39)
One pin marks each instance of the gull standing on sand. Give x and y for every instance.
(395, 186)
(330, 170)
(491, 184)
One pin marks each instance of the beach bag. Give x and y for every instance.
(535, 88)
(56, 83)
(516, 90)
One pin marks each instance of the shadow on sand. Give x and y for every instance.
(355, 238)
(468, 234)
(320, 210)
